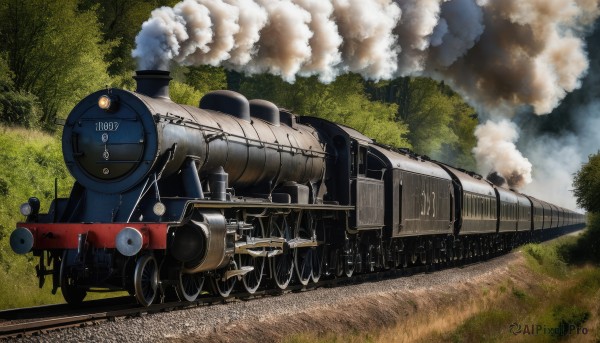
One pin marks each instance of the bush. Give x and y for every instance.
(18, 108)
(586, 184)
(587, 247)
(3, 188)
(568, 316)
(546, 259)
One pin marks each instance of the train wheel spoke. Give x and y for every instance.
(303, 260)
(146, 280)
(252, 280)
(73, 294)
(303, 257)
(221, 285)
(283, 264)
(189, 286)
(318, 262)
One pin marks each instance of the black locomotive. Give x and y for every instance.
(240, 192)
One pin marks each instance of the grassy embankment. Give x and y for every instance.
(29, 162)
(547, 301)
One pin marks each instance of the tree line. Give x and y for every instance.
(586, 190)
(56, 52)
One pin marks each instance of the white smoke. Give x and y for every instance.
(252, 18)
(281, 37)
(496, 152)
(369, 43)
(284, 44)
(325, 43)
(501, 56)
(224, 18)
(415, 33)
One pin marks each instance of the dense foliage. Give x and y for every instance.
(587, 185)
(343, 101)
(16, 107)
(54, 51)
(30, 161)
(587, 192)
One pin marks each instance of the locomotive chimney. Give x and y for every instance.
(153, 83)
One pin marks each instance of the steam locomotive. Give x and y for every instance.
(170, 198)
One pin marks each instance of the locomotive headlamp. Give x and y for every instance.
(25, 209)
(31, 207)
(159, 209)
(107, 102)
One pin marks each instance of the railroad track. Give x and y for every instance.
(34, 321)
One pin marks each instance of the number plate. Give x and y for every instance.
(107, 126)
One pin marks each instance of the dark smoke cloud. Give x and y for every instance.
(496, 179)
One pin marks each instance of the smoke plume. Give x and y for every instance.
(500, 55)
(496, 152)
(503, 57)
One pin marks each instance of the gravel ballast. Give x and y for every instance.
(368, 306)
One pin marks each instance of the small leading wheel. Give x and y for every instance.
(145, 280)
(73, 294)
(224, 286)
(189, 286)
(283, 264)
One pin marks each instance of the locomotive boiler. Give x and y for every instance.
(170, 198)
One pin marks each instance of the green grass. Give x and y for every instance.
(566, 296)
(586, 248)
(482, 328)
(546, 260)
(30, 160)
